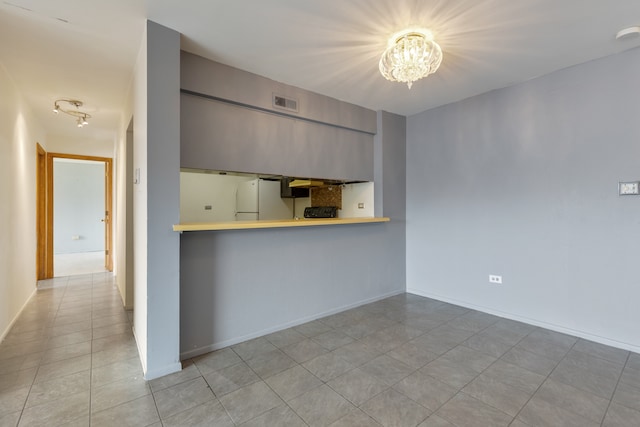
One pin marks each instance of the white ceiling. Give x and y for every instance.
(86, 49)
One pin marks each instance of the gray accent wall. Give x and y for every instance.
(227, 116)
(156, 201)
(522, 182)
(236, 285)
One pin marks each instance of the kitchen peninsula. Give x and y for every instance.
(257, 276)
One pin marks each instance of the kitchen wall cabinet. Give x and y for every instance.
(228, 123)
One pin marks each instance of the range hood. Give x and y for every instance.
(305, 183)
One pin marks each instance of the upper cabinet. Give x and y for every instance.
(229, 122)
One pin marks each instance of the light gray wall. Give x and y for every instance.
(522, 182)
(235, 285)
(157, 201)
(78, 191)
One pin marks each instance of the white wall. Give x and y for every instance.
(19, 133)
(156, 201)
(80, 144)
(78, 191)
(198, 190)
(522, 182)
(355, 194)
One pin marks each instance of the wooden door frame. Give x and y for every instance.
(41, 213)
(108, 162)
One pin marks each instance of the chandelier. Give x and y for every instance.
(66, 106)
(410, 56)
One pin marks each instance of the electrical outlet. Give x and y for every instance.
(360, 205)
(495, 279)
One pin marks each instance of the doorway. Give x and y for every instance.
(74, 239)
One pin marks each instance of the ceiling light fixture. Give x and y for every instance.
(66, 106)
(410, 55)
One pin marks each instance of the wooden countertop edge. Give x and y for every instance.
(247, 225)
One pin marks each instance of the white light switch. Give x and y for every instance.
(629, 188)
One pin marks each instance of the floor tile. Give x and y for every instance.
(293, 382)
(328, 366)
(538, 412)
(627, 395)
(135, 413)
(391, 408)
(332, 339)
(596, 378)
(66, 352)
(549, 344)
(374, 345)
(281, 416)
(569, 398)
(451, 373)
(285, 337)
(304, 350)
(48, 391)
(58, 412)
(129, 368)
(621, 416)
(426, 390)
(436, 421)
(356, 353)
(183, 396)
(311, 329)
(215, 360)
(270, 363)
(514, 376)
(529, 361)
(118, 392)
(249, 402)
(357, 386)
(355, 418)
(10, 419)
(413, 355)
(321, 406)
(188, 372)
(231, 378)
(501, 396)
(487, 344)
(13, 400)
(474, 321)
(210, 413)
(465, 411)
(469, 358)
(601, 351)
(253, 348)
(63, 368)
(17, 379)
(387, 369)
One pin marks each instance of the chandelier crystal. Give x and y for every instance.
(411, 55)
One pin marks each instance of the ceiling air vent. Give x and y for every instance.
(289, 104)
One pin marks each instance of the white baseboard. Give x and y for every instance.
(216, 346)
(15, 318)
(530, 321)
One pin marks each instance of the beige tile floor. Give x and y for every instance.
(405, 361)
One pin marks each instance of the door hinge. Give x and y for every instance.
(106, 252)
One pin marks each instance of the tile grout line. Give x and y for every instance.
(604, 416)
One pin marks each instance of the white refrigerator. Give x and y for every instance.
(260, 199)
